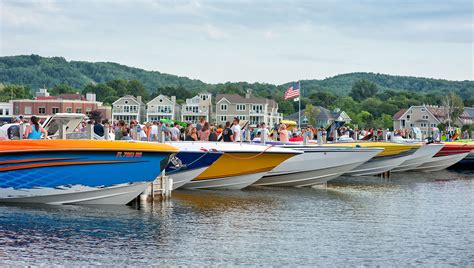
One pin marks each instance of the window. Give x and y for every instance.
(423, 109)
(69, 110)
(433, 125)
(223, 118)
(423, 124)
(1, 111)
(408, 117)
(126, 109)
(223, 107)
(7, 111)
(41, 110)
(134, 109)
(17, 109)
(425, 117)
(242, 117)
(88, 111)
(240, 107)
(257, 108)
(411, 124)
(54, 110)
(27, 109)
(79, 111)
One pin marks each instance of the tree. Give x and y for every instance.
(311, 112)
(62, 89)
(453, 105)
(323, 98)
(362, 89)
(10, 92)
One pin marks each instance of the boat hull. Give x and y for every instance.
(187, 165)
(225, 183)
(33, 171)
(80, 195)
(306, 178)
(316, 166)
(183, 177)
(377, 166)
(441, 162)
(421, 156)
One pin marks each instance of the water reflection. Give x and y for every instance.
(411, 219)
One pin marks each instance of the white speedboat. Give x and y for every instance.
(421, 156)
(240, 165)
(317, 165)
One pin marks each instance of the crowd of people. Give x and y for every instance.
(231, 131)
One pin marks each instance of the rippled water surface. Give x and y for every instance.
(413, 219)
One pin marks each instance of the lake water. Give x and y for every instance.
(413, 219)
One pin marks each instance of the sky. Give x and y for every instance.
(254, 41)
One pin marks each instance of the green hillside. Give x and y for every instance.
(36, 71)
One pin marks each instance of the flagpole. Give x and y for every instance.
(299, 107)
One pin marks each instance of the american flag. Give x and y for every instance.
(292, 91)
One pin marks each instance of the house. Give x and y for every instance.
(161, 107)
(6, 112)
(467, 117)
(128, 108)
(44, 105)
(429, 116)
(323, 116)
(197, 107)
(255, 110)
(424, 117)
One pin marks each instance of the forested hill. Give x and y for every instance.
(36, 71)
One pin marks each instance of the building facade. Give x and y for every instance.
(6, 112)
(253, 109)
(423, 117)
(128, 108)
(197, 107)
(161, 107)
(44, 105)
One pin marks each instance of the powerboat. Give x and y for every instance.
(78, 171)
(317, 165)
(421, 156)
(240, 165)
(189, 163)
(450, 154)
(393, 155)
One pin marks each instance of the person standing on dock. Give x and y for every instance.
(227, 135)
(236, 130)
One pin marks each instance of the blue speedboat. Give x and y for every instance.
(189, 163)
(78, 171)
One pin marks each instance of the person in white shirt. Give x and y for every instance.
(154, 132)
(236, 130)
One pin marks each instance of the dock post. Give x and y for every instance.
(106, 131)
(90, 131)
(263, 137)
(62, 132)
(320, 138)
(22, 130)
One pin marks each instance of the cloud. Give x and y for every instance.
(215, 33)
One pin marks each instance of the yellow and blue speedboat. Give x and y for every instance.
(240, 165)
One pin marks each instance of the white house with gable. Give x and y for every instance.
(128, 108)
(197, 107)
(161, 107)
